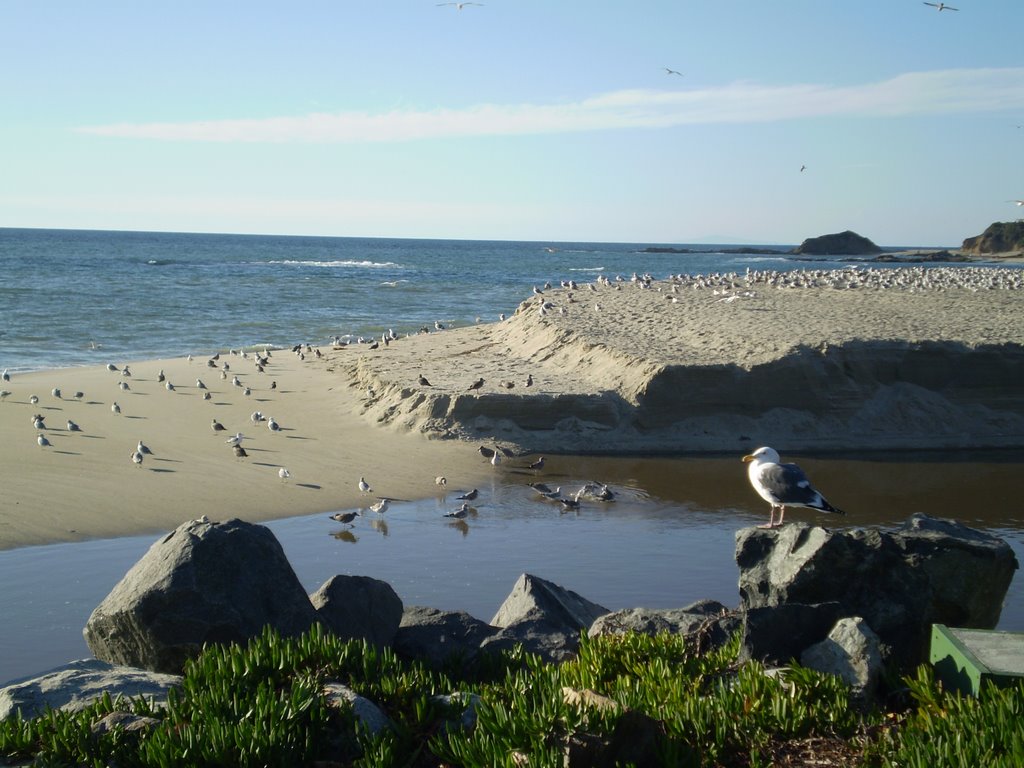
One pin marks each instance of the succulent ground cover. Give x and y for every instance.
(627, 699)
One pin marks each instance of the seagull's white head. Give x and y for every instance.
(763, 455)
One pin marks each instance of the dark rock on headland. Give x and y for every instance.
(840, 244)
(1000, 237)
(202, 583)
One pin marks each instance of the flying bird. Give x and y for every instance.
(672, 71)
(783, 485)
(942, 7)
(458, 6)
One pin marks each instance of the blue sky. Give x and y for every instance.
(515, 119)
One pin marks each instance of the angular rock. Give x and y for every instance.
(780, 633)
(710, 622)
(202, 583)
(900, 582)
(359, 607)
(435, 636)
(851, 651)
(77, 685)
(544, 618)
(534, 599)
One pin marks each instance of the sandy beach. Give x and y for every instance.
(825, 361)
(85, 485)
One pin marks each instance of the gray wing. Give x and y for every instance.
(788, 484)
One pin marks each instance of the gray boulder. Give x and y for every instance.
(709, 622)
(359, 607)
(368, 714)
(851, 651)
(202, 583)
(901, 582)
(77, 685)
(545, 618)
(435, 636)
(777, 634)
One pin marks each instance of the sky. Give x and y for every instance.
(541, 120)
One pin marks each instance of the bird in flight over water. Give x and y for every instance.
(459, 6)
(672, 71)
(942, 7)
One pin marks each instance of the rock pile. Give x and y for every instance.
(843, 602)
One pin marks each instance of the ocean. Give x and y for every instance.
(78, 297)
(72, 298)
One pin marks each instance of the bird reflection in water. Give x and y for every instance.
(380, 526)
(461, 526)
(345, 535)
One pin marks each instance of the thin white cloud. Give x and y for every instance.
(918, 93)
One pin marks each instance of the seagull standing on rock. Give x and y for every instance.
(783, 485)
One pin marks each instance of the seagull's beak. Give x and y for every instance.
(748, 457)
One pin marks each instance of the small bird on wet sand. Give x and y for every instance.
(783, 485)
(216, 426)
(364, 487)
(470, 496)
(115, 408)
(72, 427)
(476, 384)
(272, 425)
(381, 506)
(538, 464)
(143, 448)
(235, 439)
(441, 480)
(43, 442)
(345, 518)
(423, 381)
(137, 458)
(37, 421)
(529, 380)
(284, 474)
(240, 452)
(485, 451)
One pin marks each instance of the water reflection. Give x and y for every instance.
(666, 539)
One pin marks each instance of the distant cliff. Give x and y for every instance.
(1000, 237)
(841, 244)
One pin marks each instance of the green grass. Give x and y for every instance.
(262, 705)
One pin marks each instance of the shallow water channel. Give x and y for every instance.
(666, 540)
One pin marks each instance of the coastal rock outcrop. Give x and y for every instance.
(840, 244)
(202, 583)
(900, 582)
(999, 237)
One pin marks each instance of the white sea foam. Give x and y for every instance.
(340, 263)
(586, 269)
